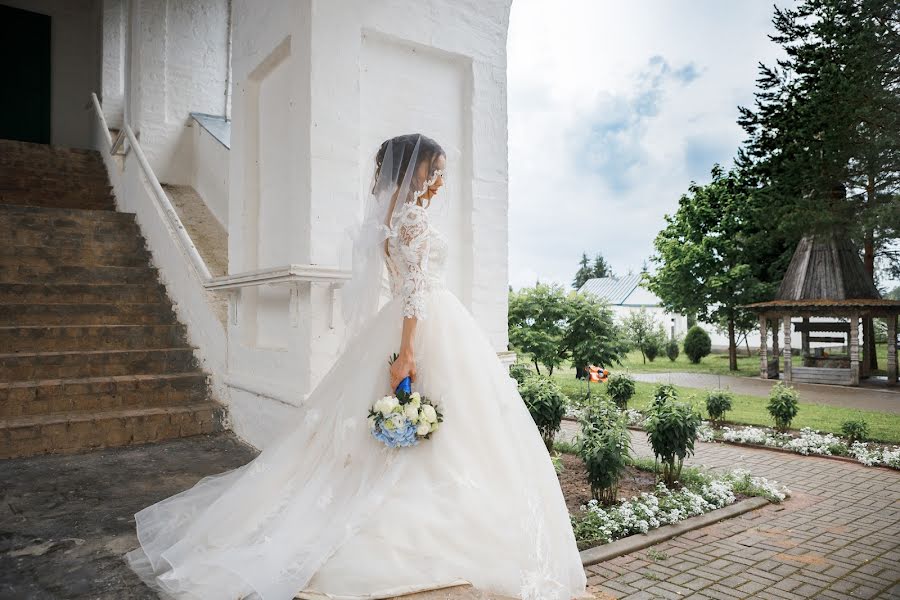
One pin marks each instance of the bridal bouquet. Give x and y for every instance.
(401, 419)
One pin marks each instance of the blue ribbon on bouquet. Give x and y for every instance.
(405, 385)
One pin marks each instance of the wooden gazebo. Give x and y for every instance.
(826, 280)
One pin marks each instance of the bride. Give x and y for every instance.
(328, 511)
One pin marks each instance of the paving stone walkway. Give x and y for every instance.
(881, 399)
(66, 520)
(838, 536)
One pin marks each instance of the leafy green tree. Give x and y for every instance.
(591, 336)
(712, 257)
(697, 344)
(537, 323)
(643, 333)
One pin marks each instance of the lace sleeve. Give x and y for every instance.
(413, 238)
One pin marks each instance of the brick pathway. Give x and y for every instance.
(837, 537)
(881, 399)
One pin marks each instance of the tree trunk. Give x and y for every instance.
(868, 324)
(732, 346)
(537, 367)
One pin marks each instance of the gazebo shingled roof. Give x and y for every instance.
(826, 267)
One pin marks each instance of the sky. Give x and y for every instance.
(614, 108)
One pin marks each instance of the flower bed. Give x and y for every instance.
(645, 504)
(810, 442)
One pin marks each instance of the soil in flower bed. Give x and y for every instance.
(577, 489)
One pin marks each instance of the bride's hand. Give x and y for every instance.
(405, 365)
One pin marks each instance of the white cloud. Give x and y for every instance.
(614, 108)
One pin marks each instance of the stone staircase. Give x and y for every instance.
(91, 353)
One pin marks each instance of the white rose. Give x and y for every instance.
(434, 426)
(412, 413)
(415, 399)
(423, 428)
(429, 413)
(398, 420)
(388, 405)
(372, 422)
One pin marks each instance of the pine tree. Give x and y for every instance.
(584, 272)
(601, 267)
(824, 136)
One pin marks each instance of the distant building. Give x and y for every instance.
(626, 295)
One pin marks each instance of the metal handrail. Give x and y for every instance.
(161, 198)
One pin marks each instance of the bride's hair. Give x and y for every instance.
(401, 150)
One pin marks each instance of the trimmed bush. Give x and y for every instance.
(520, 372)
(546, 403)
(605, 448)
(718, 402)
(620, 388)
(663, 393)
(651, 351)
(672, 350)
(783, 405)
(671, 430)
(854, 431)
(697, 344)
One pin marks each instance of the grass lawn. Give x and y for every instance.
(717, 364)
(751, 410)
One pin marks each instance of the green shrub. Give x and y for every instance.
(671, 430)
(672, 350)
(718, 402)
(520, 372)
(697, 344)
(620, 388)
(605, 448)
(663, 393)
(856, 430)
(651, 351)
(546, 403)
(783, 405)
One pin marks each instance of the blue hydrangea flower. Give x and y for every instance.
(395, 438)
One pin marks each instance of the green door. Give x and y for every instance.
(25, 72)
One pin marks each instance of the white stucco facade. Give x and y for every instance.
(312, 88)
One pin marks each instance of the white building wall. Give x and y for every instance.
(210, 172)
(318, 86)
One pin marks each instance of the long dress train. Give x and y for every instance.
(326, 510)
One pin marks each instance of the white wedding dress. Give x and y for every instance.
(327, 511)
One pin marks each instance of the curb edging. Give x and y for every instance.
(633, 543)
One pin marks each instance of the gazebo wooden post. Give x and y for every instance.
(764, 346)
(854, 348)
(892, 349)
(804, 337)
(787, 348)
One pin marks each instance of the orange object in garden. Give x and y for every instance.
(598, 374)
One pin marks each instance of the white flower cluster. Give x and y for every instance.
(648, 511)
(877, 457)
(705, 433)
(811, 442)
(396, 416)
(635, 417)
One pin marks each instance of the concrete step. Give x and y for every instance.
(24, 366)
(89, 293)
(84, 256)
(118, 392)
(88, 199)
(86, 314)
(63, 338)
(62, 241)
(60, 217)
(67, 433)
(76, 274)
